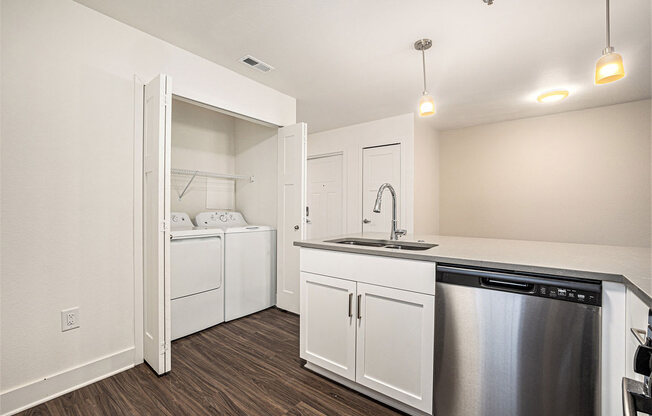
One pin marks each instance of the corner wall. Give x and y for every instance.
(202, 139)
(256, 154)
(71, 80)
(426, 177)
(577, 177)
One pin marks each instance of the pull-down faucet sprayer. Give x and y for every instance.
(395, 233)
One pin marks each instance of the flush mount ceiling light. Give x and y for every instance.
(552, 96)
(609, 67)
(426, 103)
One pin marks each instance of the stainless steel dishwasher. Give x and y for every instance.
(510, 344)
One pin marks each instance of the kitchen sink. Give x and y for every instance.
(396, 245)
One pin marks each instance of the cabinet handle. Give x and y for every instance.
(359, 301)
(350, 305)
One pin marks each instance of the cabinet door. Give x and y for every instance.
(395, 344)
(328, 323)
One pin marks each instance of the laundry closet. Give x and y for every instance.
(223, 202)
(223, 222)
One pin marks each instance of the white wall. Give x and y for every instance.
(426, 177)
(71, 82)
(350, 141)
(581, 176)
(202, 139)
(257, 155)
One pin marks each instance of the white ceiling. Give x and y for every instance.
(349, 61)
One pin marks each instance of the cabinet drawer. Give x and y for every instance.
(413, 275)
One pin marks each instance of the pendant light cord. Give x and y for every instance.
(423, 56)
(608, 27)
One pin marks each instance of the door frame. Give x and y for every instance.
(344, 182)
(139, 259)
(139, 83)
(405, 215)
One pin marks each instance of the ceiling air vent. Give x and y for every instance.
(256, 63)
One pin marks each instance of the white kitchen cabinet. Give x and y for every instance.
(327, 323)
(394, 353)
(369, 322)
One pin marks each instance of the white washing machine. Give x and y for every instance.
(196, 276)
(249, 263)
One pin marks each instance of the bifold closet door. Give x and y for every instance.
(156, 224)
(292, 141)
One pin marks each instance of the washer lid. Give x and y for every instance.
(249, 229)
(196, 232)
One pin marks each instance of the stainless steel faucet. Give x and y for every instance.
(395, 233)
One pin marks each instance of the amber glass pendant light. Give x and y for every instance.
(426, 102)
(609, 67)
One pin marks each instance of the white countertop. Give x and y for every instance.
(631, 266)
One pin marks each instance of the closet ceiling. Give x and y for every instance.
(352, 61)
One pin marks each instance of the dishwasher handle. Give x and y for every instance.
(509, 285)
(481, 275)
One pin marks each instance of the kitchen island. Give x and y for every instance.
(387, 354)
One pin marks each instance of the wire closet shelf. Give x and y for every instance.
(194, 173)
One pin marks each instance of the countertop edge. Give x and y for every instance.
(553, 271)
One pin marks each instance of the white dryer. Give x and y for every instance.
(249, 263)
(196, 276)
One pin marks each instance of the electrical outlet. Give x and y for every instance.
(69, 319)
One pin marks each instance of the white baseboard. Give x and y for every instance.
(28, 395)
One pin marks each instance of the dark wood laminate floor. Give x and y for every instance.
(246, 367)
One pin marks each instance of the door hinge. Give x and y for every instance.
(165, 225)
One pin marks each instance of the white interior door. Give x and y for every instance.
(379, 165)
(328, 308)
(292, 142)
(325, 209)
(395, 345)
(156, 224)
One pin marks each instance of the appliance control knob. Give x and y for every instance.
(223, 218)
(175, 218)
(643, 360)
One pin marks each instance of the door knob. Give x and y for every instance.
(296, 227)
(366, 221)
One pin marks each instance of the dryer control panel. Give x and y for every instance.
(180, 221)
(220, 219)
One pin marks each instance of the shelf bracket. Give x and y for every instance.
(187, 185)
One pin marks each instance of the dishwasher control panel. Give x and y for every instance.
(569, 294)
(568, 289)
